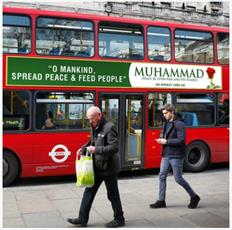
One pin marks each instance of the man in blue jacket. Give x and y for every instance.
(173, 142)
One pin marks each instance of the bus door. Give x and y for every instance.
(126, 111)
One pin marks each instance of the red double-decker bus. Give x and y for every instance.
(58, 64)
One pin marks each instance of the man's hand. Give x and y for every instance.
(91, 149)
(79, 152)
(161, 141)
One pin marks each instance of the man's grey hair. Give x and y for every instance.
(169, 108)
(94, 110)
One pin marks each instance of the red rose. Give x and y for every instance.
(210, 72)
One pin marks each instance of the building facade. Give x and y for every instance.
(202, 12)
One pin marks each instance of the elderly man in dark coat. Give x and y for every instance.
(104, 147)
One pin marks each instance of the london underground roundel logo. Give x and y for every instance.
(59, 153)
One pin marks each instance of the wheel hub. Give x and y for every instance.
(5, 167)
(195, 156)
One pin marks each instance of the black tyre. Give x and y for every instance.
(197, 157)
(10, 168)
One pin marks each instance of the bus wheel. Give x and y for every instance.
(10, 168)
(197, 157)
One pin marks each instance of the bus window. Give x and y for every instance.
(223, 48)
(65, 37)
(159, 44)
(62, 110)
(134, 114)
(122, 41)
(16, 110)
(110, 109)
(16, 34)
(223, 109)
(196, 109)
(156, 101)
(193, 46)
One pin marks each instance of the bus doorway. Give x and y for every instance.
(125, 110)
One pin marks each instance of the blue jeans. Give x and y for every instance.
(177, 168)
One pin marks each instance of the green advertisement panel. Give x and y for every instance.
(86, 73)
(66, 72)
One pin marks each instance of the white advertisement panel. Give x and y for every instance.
(175, 76)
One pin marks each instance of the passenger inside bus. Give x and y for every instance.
(224, 113)
(24, 49)
(85, 52)
(25, 107)
(114, 113)
(55, 51)
(138, 119)
(49, 124)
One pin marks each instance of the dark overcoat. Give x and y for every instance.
(175, 136)
(106, 157)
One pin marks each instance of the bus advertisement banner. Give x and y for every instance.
(85, 73)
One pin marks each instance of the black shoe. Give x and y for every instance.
(194, 201)
(158, 204)
(77, 222)
(115, 223)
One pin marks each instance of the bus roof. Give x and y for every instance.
(56, 13)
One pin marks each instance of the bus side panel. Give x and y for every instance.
(153, 150)
(49, 154)
(20, 145)
(220, 153)
(217, 139)
(226, 73)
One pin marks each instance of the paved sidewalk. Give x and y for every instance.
(47, 206)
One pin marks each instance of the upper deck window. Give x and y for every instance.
(194, 46)
(16, 34)
(223, 48)
(66, 37)
(122, 41)
(159, 44)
